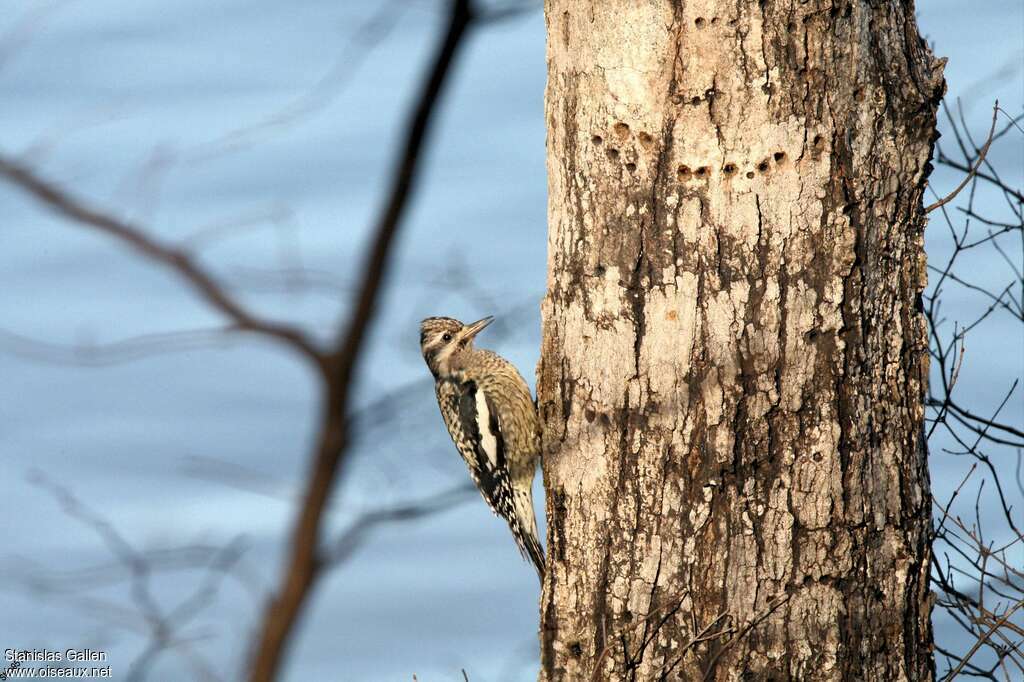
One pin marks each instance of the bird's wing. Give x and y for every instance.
(473, 421)
(486, 459)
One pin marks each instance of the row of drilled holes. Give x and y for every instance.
(730, 169)
(684, 172)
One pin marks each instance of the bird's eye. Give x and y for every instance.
(447, 337)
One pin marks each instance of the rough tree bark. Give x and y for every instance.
(734, 358)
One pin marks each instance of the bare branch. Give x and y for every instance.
(160, 627)
(68, 206)
(977, 164)
(116, 352)
(357, 48)
(774, 604)
(304, 562)
(984, 638)
(353, 537)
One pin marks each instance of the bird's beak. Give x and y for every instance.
(477, 327)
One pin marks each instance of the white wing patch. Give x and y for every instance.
(488, 442)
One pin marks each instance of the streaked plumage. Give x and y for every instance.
(492, 420)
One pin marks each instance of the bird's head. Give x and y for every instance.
(446, 343)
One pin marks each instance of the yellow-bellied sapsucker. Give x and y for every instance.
(490, 415)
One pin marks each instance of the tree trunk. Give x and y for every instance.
(734, 358)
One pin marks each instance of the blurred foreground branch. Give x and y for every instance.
(305, 561)
(336, 365)
(181, 262)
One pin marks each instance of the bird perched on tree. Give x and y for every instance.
(492, 419)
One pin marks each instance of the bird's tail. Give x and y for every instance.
(525, 531)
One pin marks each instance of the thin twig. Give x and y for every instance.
(977, 164)
(742, 632)
(981, 640)
(356, 533)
